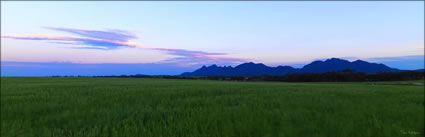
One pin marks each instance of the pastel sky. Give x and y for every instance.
(170, 37)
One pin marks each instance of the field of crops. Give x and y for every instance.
(139, 107)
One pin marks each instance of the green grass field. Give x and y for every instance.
(139, 107)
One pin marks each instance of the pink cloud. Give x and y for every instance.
(108, 44)
(116, 35)
(188, 57)
(107, 40)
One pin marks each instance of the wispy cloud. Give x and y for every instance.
(108, 44)
(398, 58)
(113, 39)
(188, 57)
(182, 52)
(115, 35)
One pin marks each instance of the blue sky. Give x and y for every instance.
(173, 37)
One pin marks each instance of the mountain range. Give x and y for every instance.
(329, 65)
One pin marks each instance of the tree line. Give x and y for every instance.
(341, 76)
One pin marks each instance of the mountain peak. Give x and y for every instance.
(336, 60)
(360, 61)
(251, 64)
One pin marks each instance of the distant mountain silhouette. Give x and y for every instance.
(246, 69)
(335, 64)
(420, 70)
(329, 65)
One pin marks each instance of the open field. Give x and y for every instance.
(121, 107)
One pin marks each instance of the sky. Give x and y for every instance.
(47, 38)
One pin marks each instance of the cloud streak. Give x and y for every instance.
(182, 52)
(109, 44)
(96, 34)
(188, 57)
(107, 40)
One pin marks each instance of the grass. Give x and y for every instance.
(121, 107)
(414, 82)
